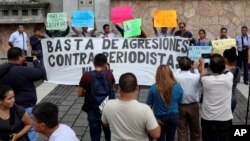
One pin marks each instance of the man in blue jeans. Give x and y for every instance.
(21, 79)
(86, 87)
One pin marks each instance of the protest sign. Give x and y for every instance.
(121, 14)
(56, 21)
(195, 52)
(83, 19)
(66, 58)
(132, 28)
(165, 18)
(220, 45)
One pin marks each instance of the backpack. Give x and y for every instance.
(101, 90)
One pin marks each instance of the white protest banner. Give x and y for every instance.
(66, 58)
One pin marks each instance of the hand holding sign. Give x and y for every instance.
(132, 28)
(83, 19)
(165, 18)
(56, 21)
(121, 14)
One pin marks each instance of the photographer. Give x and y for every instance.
(35, 42)
(243, 43)
(216, 113)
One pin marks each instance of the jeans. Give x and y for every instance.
(215, 130)
(242, 59)
(96, 126)
(234, 102)
(32, 134)
(168, 125)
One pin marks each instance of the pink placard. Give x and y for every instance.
(121, 14)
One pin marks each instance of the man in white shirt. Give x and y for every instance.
(107, 33)
(189, 108)
(243, 44)
(84, 32)
(46, 122)
(128, 119)
(216, 113)
(19, 39)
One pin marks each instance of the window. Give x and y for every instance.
(14, 12)
(25, 13)
(5, 12)
(34, 12)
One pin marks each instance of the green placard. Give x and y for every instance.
(56, 21)
(132, 28)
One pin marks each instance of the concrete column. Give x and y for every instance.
(102, 13)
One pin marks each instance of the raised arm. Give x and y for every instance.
(119, 29)
(93, 31)
(155, 29)
(143, 33)
(75, 30)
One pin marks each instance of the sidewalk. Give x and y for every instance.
(70, 107)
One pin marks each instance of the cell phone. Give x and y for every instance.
(29, 59)
(206, 56)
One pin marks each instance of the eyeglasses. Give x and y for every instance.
(181, 27)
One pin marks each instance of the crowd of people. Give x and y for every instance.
(172, 102)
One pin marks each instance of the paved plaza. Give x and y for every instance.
(70, 106)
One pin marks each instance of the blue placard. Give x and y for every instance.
(83, 19)
(195, 52)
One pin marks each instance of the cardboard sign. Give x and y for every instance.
(83, 19)
(132, 28)
(56, 21)
(219, 46)
(121, 14)
(165, 18)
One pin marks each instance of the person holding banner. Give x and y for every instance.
(85, 32)
(243, 43)
(57, 33)
(164, 97)
(182, 32)
(202, 41)
(143, 33)
(106, 32)
(164, 31)
(223, 34)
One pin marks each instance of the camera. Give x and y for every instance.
(206, 56)
(29, 59)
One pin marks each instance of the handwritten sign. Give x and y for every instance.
(195, 52)
(121, 14)
(165, 18)
(56, 21)
(83, 19)
(219, 46)
(132, 28)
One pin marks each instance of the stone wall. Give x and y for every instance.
(210, 15)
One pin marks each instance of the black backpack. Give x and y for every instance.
(101, 88)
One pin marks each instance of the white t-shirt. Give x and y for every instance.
(109, 35)
(160, 34)
(63, 133)
(128, 120)
(217, 94)
(190, 83)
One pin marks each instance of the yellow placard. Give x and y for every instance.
(219, 46)
(165, 18)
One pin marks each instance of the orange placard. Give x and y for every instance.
(165, 18)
